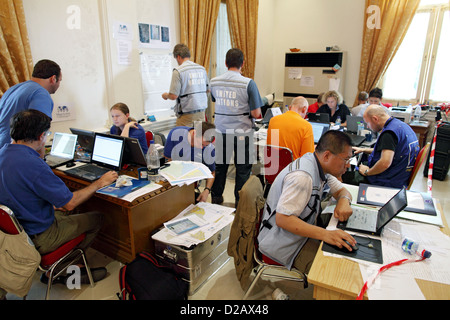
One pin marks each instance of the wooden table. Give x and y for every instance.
(341, 279)
(127, 225)
(421, 128)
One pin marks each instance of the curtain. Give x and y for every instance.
(16, 64)
(243, 22)
(381, 41)
(198, 20)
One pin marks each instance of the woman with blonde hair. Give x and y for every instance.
(335, 107)
(125, 126)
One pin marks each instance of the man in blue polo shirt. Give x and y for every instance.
(32, 191)
(193, 144)
(32, 94)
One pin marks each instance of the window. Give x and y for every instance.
(221, 43)
(419, 71)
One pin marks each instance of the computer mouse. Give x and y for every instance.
(70, 165)
(354, 248)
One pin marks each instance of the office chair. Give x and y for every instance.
(265, 263)
(421, 157)
(275, 160)
(148, 137)
(58, 260)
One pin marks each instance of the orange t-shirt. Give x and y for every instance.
(290, 130)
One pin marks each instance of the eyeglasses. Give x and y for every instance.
(347, 161)
(48, 133)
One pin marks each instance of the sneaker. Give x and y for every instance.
(217, 200)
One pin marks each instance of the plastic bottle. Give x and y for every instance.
(277, 294)
(417, 113)
(412, 247)
(338, 121)
(360, 128)
(153, 163)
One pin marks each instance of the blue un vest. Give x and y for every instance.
(397, 175)
(276, 243)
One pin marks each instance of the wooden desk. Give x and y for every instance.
(341, 279)
(128, 226)
(421, 128)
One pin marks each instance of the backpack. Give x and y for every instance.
(145, 279)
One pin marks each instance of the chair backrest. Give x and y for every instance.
(148, 137)
(8, 221)
(419, 161)
(275, 160)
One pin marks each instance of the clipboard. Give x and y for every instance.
(425, 205)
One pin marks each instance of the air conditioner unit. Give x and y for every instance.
(308, 74)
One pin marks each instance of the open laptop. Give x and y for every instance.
(106, 156)
(319, 129)
(270, 113)
(133, 153)
(372, 222)
(63, 149)
(352, 130)
(85, 138)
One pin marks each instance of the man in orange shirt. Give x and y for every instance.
(291, 130)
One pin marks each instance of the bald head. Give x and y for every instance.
(376, 116)
(299, 105)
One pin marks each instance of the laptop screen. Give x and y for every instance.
(63, 145)
(108, 151)
(133, 152)
(352, 123)
(392, 208)
(319, 129)
(85, 138)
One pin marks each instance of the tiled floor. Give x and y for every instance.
(222, 286)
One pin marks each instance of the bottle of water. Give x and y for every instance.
(153, 163)
(412, 247)
(417, 113)
(360, 128)
(277, 294)
(338, 121)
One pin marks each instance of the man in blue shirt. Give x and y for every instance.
(32, 191)
(193, 144)
(32, 94)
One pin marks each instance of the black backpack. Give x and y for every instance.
(145, 279)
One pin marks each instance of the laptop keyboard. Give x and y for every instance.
(88, 172)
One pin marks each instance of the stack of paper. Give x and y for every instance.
(196, 224)
(185, 172)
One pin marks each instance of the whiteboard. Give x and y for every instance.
(156, 71)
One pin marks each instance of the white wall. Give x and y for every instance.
(310, 25)
(93, 80)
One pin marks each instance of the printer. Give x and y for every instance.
(402, 113)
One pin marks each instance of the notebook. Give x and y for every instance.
(370, 221)
(319, 129)
(352, 130)
(63, 149)
(106, 156)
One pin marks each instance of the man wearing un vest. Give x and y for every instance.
(189, 87)
(289, 233)
(237, 102)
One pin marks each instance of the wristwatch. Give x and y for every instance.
(207, 189)
(365, 172)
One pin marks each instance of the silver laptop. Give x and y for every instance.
(63, 149)
(106, 156)
(319, 129)
(372, 222)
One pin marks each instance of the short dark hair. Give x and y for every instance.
(334, 141)
(208, 132)
(45, 69)
(28, 125)
(181, 50)
(376, 93)
(234, 58)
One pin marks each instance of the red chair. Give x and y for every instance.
(421, 157)
(148, 137)
(59, 260)
(275, 160)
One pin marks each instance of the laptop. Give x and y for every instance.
(85, 138)
(270, 113)
(319, 117)
(133, 153)
(106, 156)
(352, 130)
(372, 222)
(319, 129)
(63, 149)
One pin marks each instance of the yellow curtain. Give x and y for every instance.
(16, 63)
(380, 43)
(198, 20)
(243, 22)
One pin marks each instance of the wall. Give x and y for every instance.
(310, 25)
